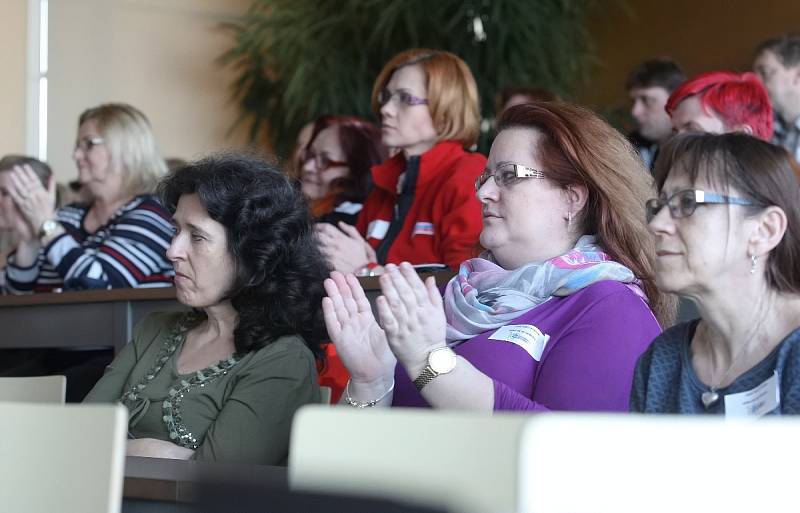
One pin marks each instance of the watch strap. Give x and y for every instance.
(425, 377)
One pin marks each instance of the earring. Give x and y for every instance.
(569, 219)
(753, 260)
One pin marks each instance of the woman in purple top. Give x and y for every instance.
(556, 311)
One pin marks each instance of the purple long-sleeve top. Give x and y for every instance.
(596, 336)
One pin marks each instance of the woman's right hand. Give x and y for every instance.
(33, 200)
(346, 250)
(27, 249)
(22, 228)
(360, 342)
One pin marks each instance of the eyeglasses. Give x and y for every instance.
(321, 161)
(86, 144)
(404, 97)
(507, 175)
(683, 203)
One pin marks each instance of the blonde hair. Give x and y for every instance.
(451, 90)
(131, 144)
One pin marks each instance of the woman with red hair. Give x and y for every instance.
(422, 208)
(335, 166)
(556, 311)
(719, 102)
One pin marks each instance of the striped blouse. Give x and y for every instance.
(128, 251)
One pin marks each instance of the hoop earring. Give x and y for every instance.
(753, 260)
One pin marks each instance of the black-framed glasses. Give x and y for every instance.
(404, 97)
(507, 175)
(322, 161)
(683, 203)
(87, 143)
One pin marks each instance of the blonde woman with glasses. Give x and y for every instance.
(119, 239)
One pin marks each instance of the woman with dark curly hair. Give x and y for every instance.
(223, 381)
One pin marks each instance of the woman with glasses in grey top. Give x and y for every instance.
(727, 227)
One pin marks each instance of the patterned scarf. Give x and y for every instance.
(484, 296)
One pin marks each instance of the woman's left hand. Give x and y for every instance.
(35, 202)
(154, 448)
(412, 316)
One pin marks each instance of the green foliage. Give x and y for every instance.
(297, 59)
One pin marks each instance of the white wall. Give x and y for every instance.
(13, 14)
(157, 55)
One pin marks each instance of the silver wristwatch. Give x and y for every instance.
(440, 361)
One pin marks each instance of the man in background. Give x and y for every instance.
(649, 85)
(777, 64)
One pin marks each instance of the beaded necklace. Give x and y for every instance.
(171, 406)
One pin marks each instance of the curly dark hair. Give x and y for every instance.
(277, 288)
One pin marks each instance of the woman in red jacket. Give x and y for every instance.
(422, 208)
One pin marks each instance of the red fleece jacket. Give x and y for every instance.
(444, 221)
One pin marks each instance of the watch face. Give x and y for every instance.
(48, 227)
(442, 360)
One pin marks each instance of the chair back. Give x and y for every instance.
(325, 395)
(62, 458)
(40, 389)
(465, 462)
(625, 463)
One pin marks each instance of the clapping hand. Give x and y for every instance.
(412, 316)
(35, 202)
(360, 342)
(18, 224)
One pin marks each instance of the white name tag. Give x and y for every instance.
(377, 229)
(756, 402)
(527, 336)
(347, 207)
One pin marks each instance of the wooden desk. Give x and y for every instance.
(156, 479)
(99, 318)
(156, 486)
(93, 318)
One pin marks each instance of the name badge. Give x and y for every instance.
(377, 229)
(422, 228)
(756, 402)
(347, 207)
(527, 336)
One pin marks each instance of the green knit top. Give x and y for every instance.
(238, 410)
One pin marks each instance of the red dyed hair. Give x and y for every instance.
(362, 148)
(738, 99)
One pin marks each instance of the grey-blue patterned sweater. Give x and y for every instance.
(665, 381)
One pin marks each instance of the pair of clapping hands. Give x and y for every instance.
(412, 323)
(34, 202)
